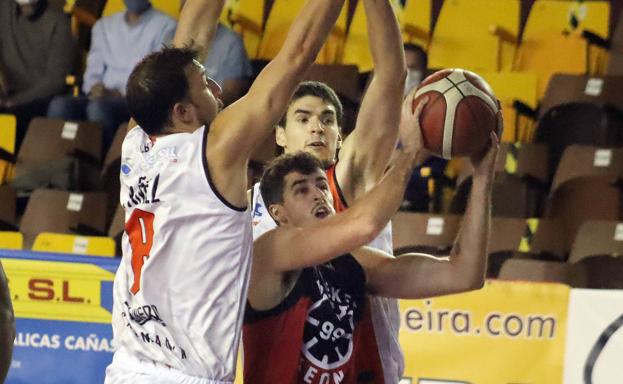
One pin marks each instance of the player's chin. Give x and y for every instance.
(322, 153)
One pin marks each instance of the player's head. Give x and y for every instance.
(296, 190)
(168, 89)
(312, 122)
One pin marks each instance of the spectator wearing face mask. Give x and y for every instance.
(417, 61)
(37, 52)
(118, 43)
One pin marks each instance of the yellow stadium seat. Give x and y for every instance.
(281, 16)
(508, 87)
(7, 144)
(464, 37)
(82, 245)
(246, 18)
(11, 240)
(170, 7)
(415, 22)
(552, 40)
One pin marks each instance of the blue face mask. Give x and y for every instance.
(137, 6)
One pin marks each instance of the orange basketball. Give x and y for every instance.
(460, 113)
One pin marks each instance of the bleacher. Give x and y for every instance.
(558, 197)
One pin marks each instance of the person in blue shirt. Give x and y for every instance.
(119, 42)
(228, 64)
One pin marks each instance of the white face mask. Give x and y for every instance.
(414, 78)
(26, 2)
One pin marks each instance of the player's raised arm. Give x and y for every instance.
(328, 238)
(366, 151)
(7, 326)
(197, 25)
(418, 275)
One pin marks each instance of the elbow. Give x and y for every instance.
(370, 228)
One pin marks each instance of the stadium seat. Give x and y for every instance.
(597, 238)
(585, 187)
(554, 41)
(415, 22)
(278, 23)
(117, 227)
(603, 271)
(509, 88)
(615, 55)
(80, 245)
(7, 147)
(463, 35)
(60, 154)
(419, 232)
(247, 18)
(170, 7)
(8, 218)
(543, 271)
(11, 240)
(519, 186)
(63, 212)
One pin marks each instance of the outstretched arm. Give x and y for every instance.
(366, 151)
(245, 124)
(418, 275)
(348, 230)
(7, 326)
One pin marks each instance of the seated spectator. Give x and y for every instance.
(118, 43)
(228, 64)
(417, 62)
(37, 51)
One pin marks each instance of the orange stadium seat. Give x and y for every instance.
(415, 22)
(552, 39)
(63, 212)
(428, 233)
(73, 244)
(7, 147)
(170, 7)
(247, 18)
(585, 187)
(278, 23)
(463, 36)
(59, 153)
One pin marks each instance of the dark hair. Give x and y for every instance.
(320, 90)
(419, 50)
(271, 185)
(156, 84)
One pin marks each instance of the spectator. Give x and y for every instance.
(118, 43)
(417, 62)
(37, 52)
(228, 64)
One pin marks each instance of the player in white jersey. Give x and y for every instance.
(313, 124)
(180, 289)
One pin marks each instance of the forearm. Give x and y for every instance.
(385, 41)
(469, 254)
(7, 326)
(197, 25)
(383, 200)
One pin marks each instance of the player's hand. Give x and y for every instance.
(410, 131)
(484, 161)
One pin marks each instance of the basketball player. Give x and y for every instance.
(313, 123)
(7, 326)
(307, 318)
(180, 290)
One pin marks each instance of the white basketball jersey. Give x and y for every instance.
(180, 290)
(385, 313)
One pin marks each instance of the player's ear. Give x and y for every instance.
(182, 112)
(280, 136)
(339, 139)
(278, 213)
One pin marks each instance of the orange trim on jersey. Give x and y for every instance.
(339, 202)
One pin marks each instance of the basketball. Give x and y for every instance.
(460, 114)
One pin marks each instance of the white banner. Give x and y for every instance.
(594, 337)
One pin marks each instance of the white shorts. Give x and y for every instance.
(129, 369)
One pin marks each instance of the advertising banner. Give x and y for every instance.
(594, 337)
(508, 332)
(63, 309)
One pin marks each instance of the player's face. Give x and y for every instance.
(311, 126)
(307, 198)
(204, 93)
